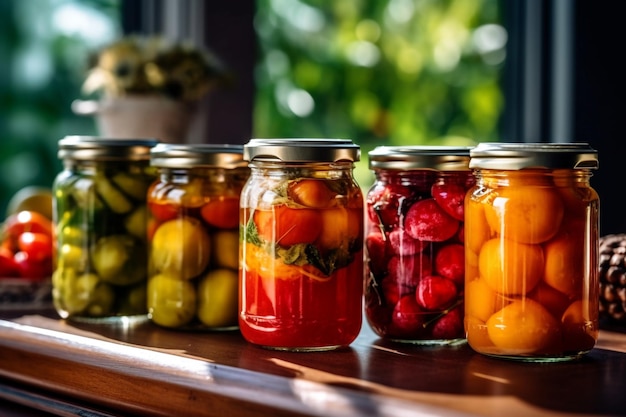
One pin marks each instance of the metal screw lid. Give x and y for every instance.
(166, 155)
(301, 150)
(515, 156)
(93, 148)
(441, 158)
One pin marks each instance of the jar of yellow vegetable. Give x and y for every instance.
(531, 251)
(194, 235)
(100, 221)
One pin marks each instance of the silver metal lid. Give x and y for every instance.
(94, 148)
(441, 158)
(515, 156)
(166, 155)
(301, 150)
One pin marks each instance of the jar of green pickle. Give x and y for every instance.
(194, 235)
(100, 218)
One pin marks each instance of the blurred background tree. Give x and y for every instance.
(387, 72)
(43, 49)
(382, 72)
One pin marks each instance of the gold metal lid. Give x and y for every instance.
(166, 155)
(94, 148)
(301, 150)
(441, 158)
(515, 156)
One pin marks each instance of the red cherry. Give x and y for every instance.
(427, 221)
(450, 197)
(377, 253)
(450, 263)
(32, 268)
(435, 293)
(383, 204)
(8, 267)
(450, 325)
(407, 319)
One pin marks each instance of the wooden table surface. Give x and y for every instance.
(66, 368)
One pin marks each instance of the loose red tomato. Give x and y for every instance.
(163, 211)
(26, 221)
(288, 226)
(38, 246)
(30, 268)
(221, 212)
(8, 267)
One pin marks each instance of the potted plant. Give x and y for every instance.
(148, 87)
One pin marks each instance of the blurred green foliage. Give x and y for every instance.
(43, 45)
(386, 72)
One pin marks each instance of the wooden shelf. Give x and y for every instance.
(141, 369)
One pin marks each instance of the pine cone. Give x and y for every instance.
(612, 271)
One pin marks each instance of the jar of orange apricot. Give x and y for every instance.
(301, 261)
(193, 235)
(415, 267)
(531, 260)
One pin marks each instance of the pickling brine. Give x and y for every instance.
(301, 259)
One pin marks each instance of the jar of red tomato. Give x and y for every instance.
(532, 244)
(100, 226)
(415, 266)
(194, 235)
(301, 262)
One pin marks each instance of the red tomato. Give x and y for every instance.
(27, 221)
(8, 267)
(222, 212)
(288, 226)
(38, 246)
(163, 211)
(30, 268)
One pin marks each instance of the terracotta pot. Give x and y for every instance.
(140, 117)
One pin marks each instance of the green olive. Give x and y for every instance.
(218, 295)
(171, 301)
(132, 299)
(119, 260)
(72, 256)
(101, 301)
(76, 291)
(73, 235)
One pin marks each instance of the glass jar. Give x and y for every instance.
(301, 262)
(100, 226)
(415, 266)
(531, 239)
(194, 236)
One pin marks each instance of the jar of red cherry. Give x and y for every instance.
(193, 235)
(301, 263)
(532, 245)
(415, 266)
